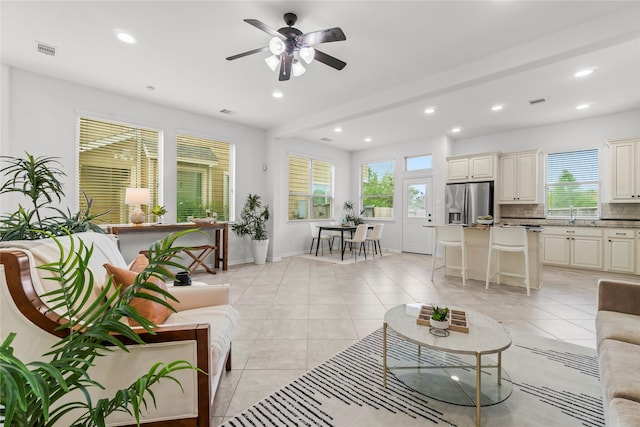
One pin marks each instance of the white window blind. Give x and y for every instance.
(310, 188)
(113, 157)
(203, 174)
(572, 184)
(377, 188)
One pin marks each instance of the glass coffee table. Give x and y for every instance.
(452, 370)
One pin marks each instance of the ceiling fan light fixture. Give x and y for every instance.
(307, 54)
(297, 69)
(276, 46)
(273, 61)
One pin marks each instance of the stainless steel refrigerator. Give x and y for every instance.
(465, 202)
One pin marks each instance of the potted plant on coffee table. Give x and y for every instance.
(252, 224)
(440, 318)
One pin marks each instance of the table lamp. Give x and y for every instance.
(137, 196)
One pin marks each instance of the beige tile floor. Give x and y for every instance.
(297, 313)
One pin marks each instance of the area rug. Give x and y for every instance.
(335, 257)
(553, 384)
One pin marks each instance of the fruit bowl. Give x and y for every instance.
(485, 221)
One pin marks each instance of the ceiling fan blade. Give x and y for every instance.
(251, 52)
(329, 60)
(324, 36)
(264, 27)
(286, 63)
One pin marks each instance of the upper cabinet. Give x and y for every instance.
(625, 171)
(479, 167)
(519, 177)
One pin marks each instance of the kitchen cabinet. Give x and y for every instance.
(625, 171)
(620, 247)
(518, 178)
(479, 167)
(637, 251)
(579, 247)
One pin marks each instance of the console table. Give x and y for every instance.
(139, 235)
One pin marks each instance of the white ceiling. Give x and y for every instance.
(402, 56)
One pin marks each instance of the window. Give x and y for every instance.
(203, 174)
(113, 157)
(377, 190)
(572, 184)
(417, 163)
(310, 189)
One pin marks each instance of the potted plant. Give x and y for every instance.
(440, 317)
(252, 224)
(159, 211)
(350, 217)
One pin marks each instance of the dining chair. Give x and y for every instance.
(360, 236)
(374, 237)
(509, 239)
(313, 228)
(450, 236)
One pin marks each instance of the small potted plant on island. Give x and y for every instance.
(252, 224)
(440, 317)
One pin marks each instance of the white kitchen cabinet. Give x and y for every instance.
(471, 168)
(518, 178)
(573, 247)
(620, 247)
(637, 251)
(625, 171)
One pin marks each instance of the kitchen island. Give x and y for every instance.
(477, 244)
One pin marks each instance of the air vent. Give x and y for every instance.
(326, 139)
(225, 111)
(46, 49)
(537, 101)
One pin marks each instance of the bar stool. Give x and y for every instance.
(509, 239)
(452, 236)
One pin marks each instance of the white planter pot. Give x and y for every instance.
(443, 324)
(259, 249)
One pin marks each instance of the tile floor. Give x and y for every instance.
(297, 313)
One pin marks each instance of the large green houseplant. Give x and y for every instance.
(253, 219)
(31, 394)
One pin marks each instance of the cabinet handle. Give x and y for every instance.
(571, 231)
(609, 240)
(620, 234)
(568, 238)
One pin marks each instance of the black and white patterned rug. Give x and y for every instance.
(553, 384)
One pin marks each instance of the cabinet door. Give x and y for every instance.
(508, 165)
(623, 171)
(586, 252)
(557, 250)
(526, 178)
(458, 170)
(481, 168)
(620, 255)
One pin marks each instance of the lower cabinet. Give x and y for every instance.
(573, 247)
(620, 245)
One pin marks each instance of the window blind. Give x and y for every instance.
(572, 184)
(310, 188)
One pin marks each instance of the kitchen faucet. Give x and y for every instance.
(572, 218)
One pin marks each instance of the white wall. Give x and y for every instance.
(39, 116)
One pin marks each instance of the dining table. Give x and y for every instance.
(341, 228)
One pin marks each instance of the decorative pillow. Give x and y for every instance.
(153, 311)
(139, 263)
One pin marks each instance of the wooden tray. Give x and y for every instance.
(457, 319)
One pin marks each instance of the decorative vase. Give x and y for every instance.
(439, 324)
(259, 249)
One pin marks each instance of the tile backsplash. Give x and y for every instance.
(611, 214)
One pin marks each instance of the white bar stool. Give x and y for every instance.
(509, 239)
(452, 236)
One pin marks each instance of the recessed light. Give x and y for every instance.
(337, 130)
(277, 94)
(125, 37)
(583, 73)
(582, 106)
(456, 130)
(497, 107)
(367, 139)
(430, 110)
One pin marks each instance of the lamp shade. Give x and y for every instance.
(297, 69)
(307, 54)
(137, 196)
(273, 62)
(276, 46)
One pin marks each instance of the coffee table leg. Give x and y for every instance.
(500, 368)
(478, 393)
(384, 354)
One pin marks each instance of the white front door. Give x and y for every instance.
(417, 200)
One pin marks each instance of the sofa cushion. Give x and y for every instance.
(139, 263)
(618, 326)
(619, 369)
(624, 413)
(151, 310)
(221, 319)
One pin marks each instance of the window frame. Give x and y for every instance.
(391, 195)
(310, 194)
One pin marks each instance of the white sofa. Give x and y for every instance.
(199, 332)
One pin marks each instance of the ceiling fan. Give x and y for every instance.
(290, 46)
